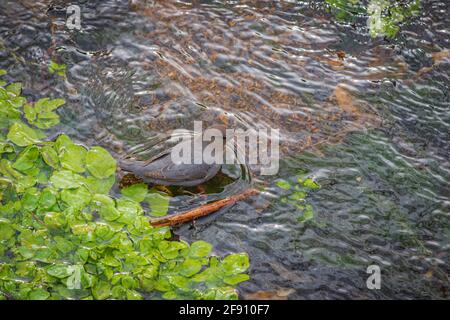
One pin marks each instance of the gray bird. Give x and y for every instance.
(163, 171)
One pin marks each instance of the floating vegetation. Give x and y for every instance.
(384, 17)
(298, 192)
(63, 236)
(56, 68)
(346, 10)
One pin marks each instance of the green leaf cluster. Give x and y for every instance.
(384, 17)
(63, 236)
(42, 114)
(56, 68)
(297, 193)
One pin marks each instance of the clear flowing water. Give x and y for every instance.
(367, 118)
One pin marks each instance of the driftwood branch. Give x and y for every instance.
(201, 211)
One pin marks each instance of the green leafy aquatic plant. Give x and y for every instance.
(56, 68)
(297, 193)
(63, 236)
(346, 10)
(384, 17)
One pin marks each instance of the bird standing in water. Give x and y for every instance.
(163, 171)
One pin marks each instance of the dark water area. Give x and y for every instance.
(367, 118)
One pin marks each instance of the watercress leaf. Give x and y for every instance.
(50, 156)
(27, 158)
(100, 163)
(111, 261)
(189, 267)
(6, 230)
(6, 148)
(38, 294)
(26, 268)
(8, 171)
(30, 199)
(235, 279)
(129, 210)
(147, 284)
(235, 263)
(60, 271)
(22, 135)
(17, 102)
(3, 95)
(100, 185)
(158, 203)
(170, 249)
(73, 157)
(55, 220)
(8, 114)
(226, 294)
(283, 184)
(135, 192)
(50, 105)
(308, 213)
(106, 207)
(47, 120)
(62, 142)
(15, 88)
(25, 252)
(101, 290)
(199, 249)
(76, 198)
(65, 179)
(33, 171)
(81, 255)
(118, 292)
(297, 195)
(84, 230)
(47, 198)
(311, 184)
(30, 113)
(24, 183)
(63, 245)
(42, 176)
(170, 295)
(39, 105)
(134, 295)
(59, 69)
(74, 280)
(129, 282)
(86, 279)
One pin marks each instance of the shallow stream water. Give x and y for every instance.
(367, 118)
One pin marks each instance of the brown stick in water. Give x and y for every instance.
(201, 211)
